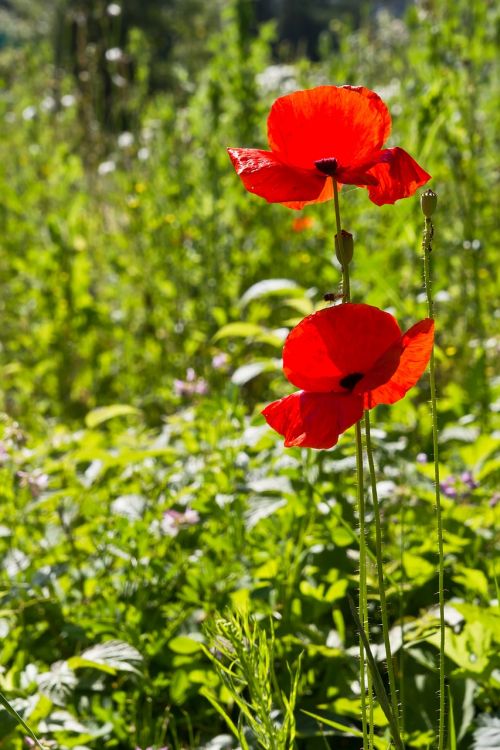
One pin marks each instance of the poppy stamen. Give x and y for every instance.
(351, 380)
(327, 166)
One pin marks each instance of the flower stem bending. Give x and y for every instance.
(380, 571)
(426, 247)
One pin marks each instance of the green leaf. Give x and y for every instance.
(417, 568)
(472, 649)
(182, 644)
(12, 712)
(105, 413)
(238, 330)
(352, 731)
(473, 579)
(59, 683)
(487, 734)
(269, 287)
(245, 373)
(216, 705)
(378, 683)
(110, 657)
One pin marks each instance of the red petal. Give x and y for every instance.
(313, 420)
(335, 342)
(343, 122)
(325, 195)
(416, 351)
(398, 176)
(263, 174)
(358, 175)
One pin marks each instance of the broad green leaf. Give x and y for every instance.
(473, 579)
(239, 330)
(269, 287)
(104, 413)
(111, 657)
(417, 568)
(59, 683)
(182, 644)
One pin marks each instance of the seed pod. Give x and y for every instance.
(348, 247)
(428, 203)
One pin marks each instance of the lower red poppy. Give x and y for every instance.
(346, 359)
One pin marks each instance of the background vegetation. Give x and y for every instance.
(145, 299)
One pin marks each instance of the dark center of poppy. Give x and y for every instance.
(350, 380)
(327, 166)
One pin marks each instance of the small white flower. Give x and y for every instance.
(114, 54)
(68, 100)
(106, 167)
(48, 104)
(29, 113)
(125, 140)
(143, 153)
(114, 9)
(119, 81)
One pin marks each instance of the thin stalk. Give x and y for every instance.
(377, 680)
(363, 614)
(401, 614)
(346, 287)
(363, 599)
(426, 247)
(371, 736)
(380, 571)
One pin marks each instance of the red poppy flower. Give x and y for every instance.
(345, 359)
(329, 131)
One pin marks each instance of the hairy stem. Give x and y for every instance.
(380, 571)
(363, 600)
(363, 609)
(426, 247)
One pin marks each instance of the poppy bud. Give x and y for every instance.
(428, 203)
(347, 246)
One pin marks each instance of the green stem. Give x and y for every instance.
(401, 613)
(363, 614)
(380, 571)
(363, 600)
(426, 247)
(346, 287)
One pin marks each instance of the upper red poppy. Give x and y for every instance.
(345, 359)
(325, 132)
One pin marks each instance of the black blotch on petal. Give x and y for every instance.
(350, 380)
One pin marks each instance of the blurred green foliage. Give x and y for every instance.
(145, 299)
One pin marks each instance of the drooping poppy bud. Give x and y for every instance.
(347, 247)
(428, 203)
